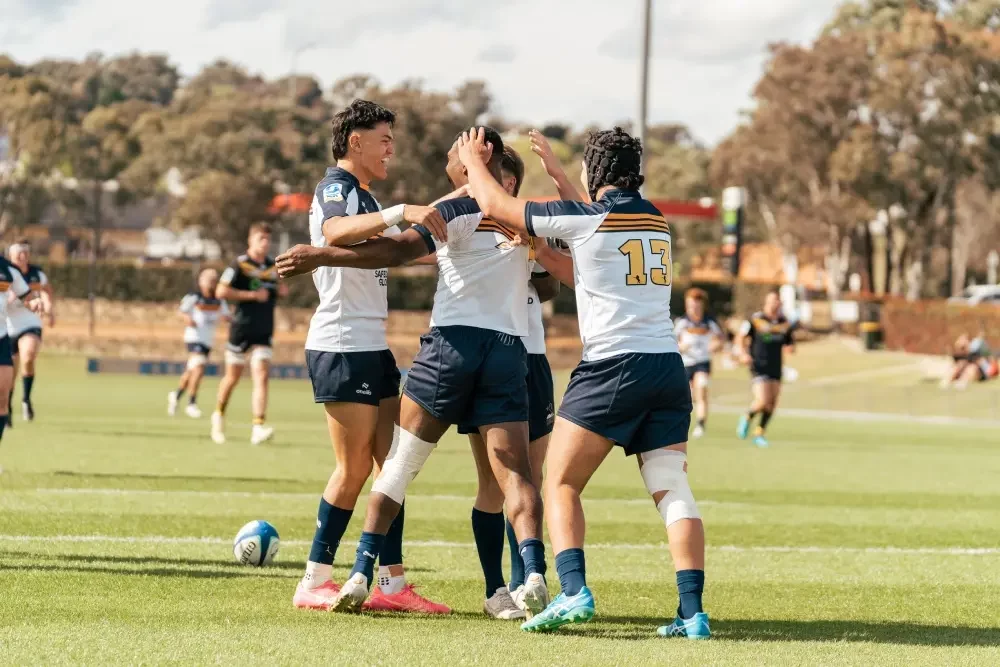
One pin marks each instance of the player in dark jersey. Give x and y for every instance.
(250, 284)
(761, 343)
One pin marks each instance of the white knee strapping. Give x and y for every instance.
(701, 380)
(236, 358)
(406, 458)
(666, 470)
(196, 361)
(260, 354)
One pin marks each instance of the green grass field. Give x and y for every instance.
(848, 542)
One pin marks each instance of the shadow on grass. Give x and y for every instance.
(889, 632)
(221, 573)
(176, 478)
(295, 567)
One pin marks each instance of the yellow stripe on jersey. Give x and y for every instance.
(765, 326)
(4, 286)
(488, 225)
(698, 331)
(35, 286)
(209, 306)
(255, 271)
(634, 222)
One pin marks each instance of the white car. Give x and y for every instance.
(978, 294)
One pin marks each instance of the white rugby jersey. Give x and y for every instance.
(534, 342)
(696, 336)
(11, 280)
(206, 312)
(482, 278)
(20, 318)
(353, 303)
(622, 267)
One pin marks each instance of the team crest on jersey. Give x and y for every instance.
(333, 192)
(506, 245)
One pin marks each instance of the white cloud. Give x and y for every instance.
(544, 60)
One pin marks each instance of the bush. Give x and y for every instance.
(930, 327)
(157, 283)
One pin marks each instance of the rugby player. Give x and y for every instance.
(470, 369)
(202, 312)
(761, 344)
(24, 326)
(488, 524)
(698, 337)
(354, 374)
(251, 284)
(12, 282)
(630, 389)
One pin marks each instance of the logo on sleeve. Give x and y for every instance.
(333, 192)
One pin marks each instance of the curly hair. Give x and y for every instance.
(613, 157)
(359, 115)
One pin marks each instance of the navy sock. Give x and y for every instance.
(3, 423)
(369, 547)
(488, 530)
(179, 392)
(572, 569)
(392, 549)
(331, 522)
(532, 550)
(516, 562)
(690, 585)
(764, 418)
(193, 400)
(29, 382)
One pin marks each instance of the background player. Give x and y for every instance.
(470, 369)
(353, 372)
(25, 326)
(202, 312)
(12, 284)
(698, 337)
(251, 284)
(630, 388)
(761, 344)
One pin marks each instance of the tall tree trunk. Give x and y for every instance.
(897, 255)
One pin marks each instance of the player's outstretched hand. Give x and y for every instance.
(472, 145)
(429, 217)
(297, 260)
(541, 147)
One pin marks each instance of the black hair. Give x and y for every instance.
(512, 162)
(613, 157)
(359, 115)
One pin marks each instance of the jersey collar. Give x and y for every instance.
(337, 172)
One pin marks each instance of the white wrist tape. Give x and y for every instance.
(393, 215)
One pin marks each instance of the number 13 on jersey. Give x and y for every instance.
(634, 249)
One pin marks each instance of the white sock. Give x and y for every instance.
(317, 574)
(389, 584)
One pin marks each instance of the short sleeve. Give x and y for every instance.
(746, 329)
(337, 198)
(570, 221)
(18, 283)
(681, 325)
(462, 216)
(188, 303)
(714, 327)
(229, 275)
(43, 279)
(224, 310)
(538, 271)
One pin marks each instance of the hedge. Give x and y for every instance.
(407, 291)
(930, 327)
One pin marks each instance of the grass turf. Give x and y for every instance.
(847, 542)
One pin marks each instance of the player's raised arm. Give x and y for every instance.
(541, 147)
(376, 253)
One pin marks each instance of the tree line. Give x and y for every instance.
(892, 113)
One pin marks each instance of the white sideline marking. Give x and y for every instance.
(313, 496)
(442, 544)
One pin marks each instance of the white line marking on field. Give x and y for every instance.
(312, 496)
(442, 544)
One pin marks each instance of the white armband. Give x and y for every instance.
(393, 215)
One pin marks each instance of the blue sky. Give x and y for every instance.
(544, 60)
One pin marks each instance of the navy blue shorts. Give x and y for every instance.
(470, 376)
(541, 399)
(353, 377)
(16, 338)
(199, 348)
(702, 367)
(640, 401)
(6, 359)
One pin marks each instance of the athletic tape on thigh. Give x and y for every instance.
(405, 460)
(236, 358)
(666, 470)
(261, 354)
(701, 380)
(196, 361)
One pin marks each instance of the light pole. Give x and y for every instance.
(647, 10)
(291, 76)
